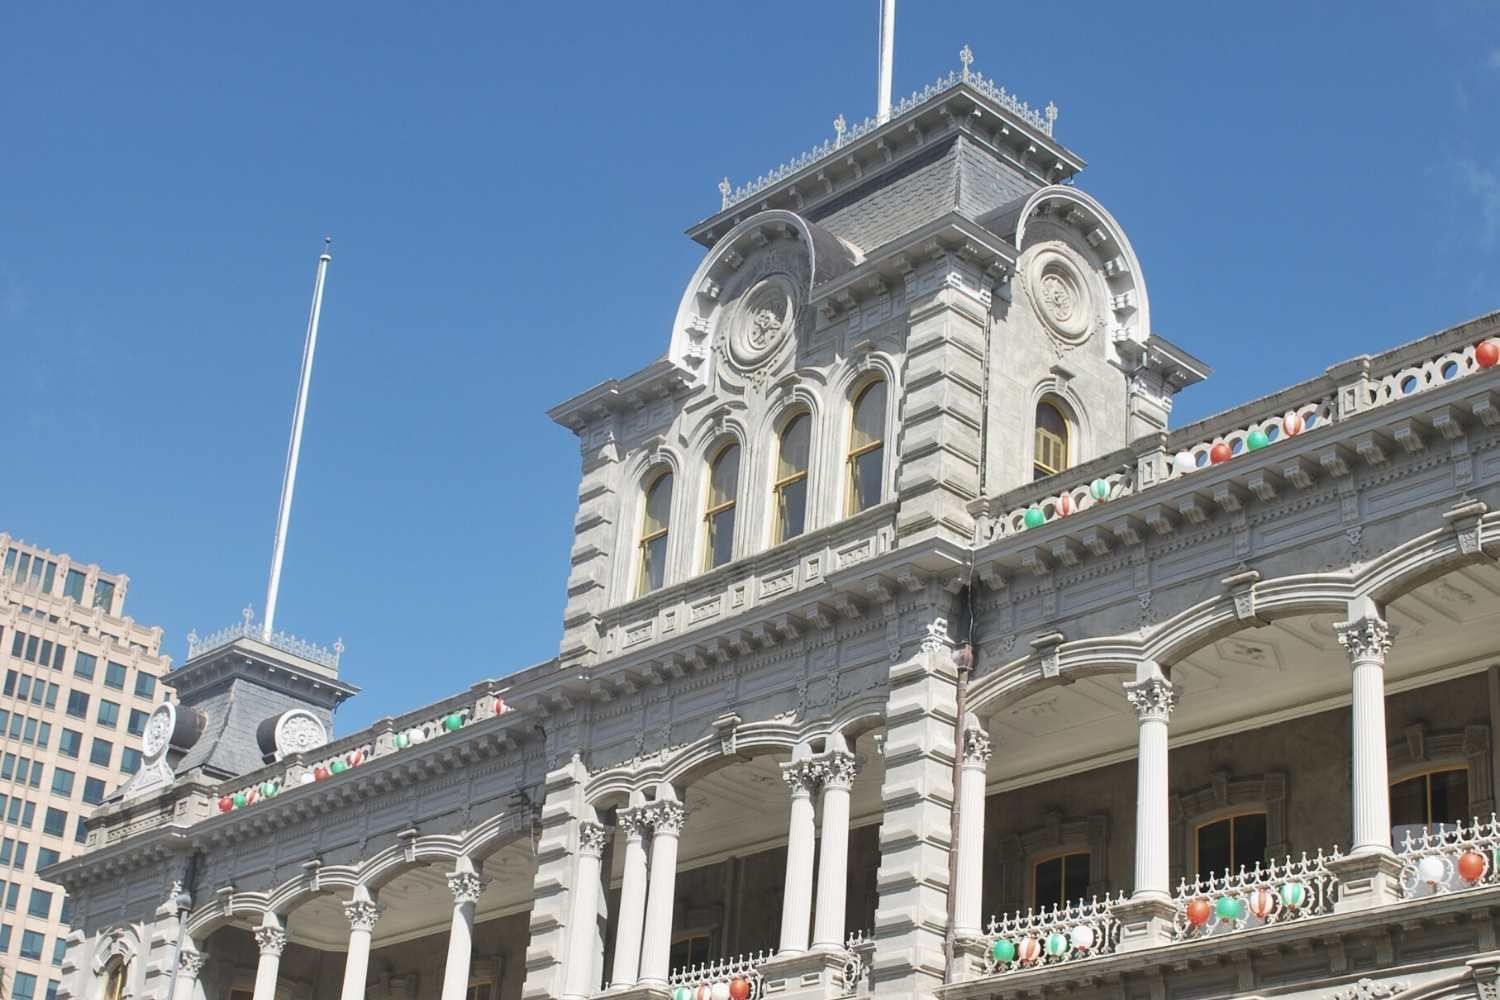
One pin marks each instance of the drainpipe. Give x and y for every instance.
(963, 659)
(184, 901)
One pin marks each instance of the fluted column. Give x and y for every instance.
(968, 890)
(667, 817)
(1153, 697)
(1367, 640)
(833, 864)
(583, 925)
(802, 777)
(362, 912)
(636, 825)
(189, 964)
(466, 885)
(270, 938)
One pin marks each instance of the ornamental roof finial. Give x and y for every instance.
(839, 126)
(966, 56)
(724, 190)
(248, 613)
(1051, 116)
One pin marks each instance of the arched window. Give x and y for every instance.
(114, 982)
(791, 478)
(718, 515)
(866, 448)
(1051, 448)
(1230, 843)
(1436, 796)
(654, 525)
(1060, 880)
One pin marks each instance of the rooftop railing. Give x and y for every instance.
(247, 629)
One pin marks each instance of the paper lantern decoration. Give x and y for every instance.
(1430, 869)
(1471, 866)
(321, 772)
(1003, 951)
(226, 804)
(1291, 424)
(402, 741)
(1030, 950)
(1487, 353)
(1229, 908)
(720, 991)
(1034, 518)
(252, 797)
(682, 993)
(500, 709)
(417, 735)
(1064, 505)
(1262, 902)
(1082, 937)
(240, 800)
(1256, 440)
(270, 790)
(1184, 462)
(453, 722)
(1198, 912)
(739, 986)
(308, 778)
(1057, 944)
(356, 758)
(1293, 894)
(1099, 489)
(338, 766)
(1220, 452)
(703, 992)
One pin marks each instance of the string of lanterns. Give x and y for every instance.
(734, 988)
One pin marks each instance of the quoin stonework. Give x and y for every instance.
(908, 651)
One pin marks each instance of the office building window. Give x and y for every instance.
(16, 722)
(78, 704)
(80, 832)
(28, 733)
(59, 949)
(31, 944)
(7, 851)
(73, 586)
(12, 896)
(44, 735)
(93, 791)
(137, 724)
(53, 986)
(40, 904)
(145, 685)
(45, 857)
(109, 713)
(70, 743)
(24, 987)
(130, 760)
(51, 700)
(55, 822)
(104, 595)
(4, 939)
(21, 848)
(11, 677)
(84, 665)
(62, 782)
(114, 675)
(101, 752)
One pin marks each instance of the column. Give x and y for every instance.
(839, 769)
(636, 824)
(271, 939)
(362, 912)
(466, 885)
(796, 907)
(189, 964)
(667, 817)
(584, 923)
(969, 888)
(1367, 638)
(1153, 697)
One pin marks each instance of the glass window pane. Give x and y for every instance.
(865, 473)
(658, 504)
(653, 564)
(73, 587)
(1049, 883)
(1075, 878)
(795, 442)
(1249, 841)
(791, 510)
(1409, 802)
(104, 595)
(869, 417)
(720, 537)
(1213, 848)
(1450, 797)
(725, 477)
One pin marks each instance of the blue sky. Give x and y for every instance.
(507, 187)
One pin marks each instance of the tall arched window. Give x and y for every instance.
(654, 525)
(866, 448)
(791, 478)
(114, 983)
(1052, 444)
(718, 515)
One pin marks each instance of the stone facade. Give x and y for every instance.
(930, 727)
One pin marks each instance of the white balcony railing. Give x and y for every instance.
(1276, 893)
(1051, 937)
(735, 978)
(1450, 858)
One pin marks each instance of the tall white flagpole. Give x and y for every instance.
(887, 52)
(294, 448)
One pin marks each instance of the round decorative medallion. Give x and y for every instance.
(159, 729)
(1060, 294)
(761, 322)
(298, 731)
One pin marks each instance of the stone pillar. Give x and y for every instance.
(801, 777)
(968, 922)
(1367, 639)
(910, 917)
(636, 824)
(271, 939)
(466, 885)
(584, 924)
(839, 768)
(667, 817)
(362, 912)
(1146, 921)
(189, 964)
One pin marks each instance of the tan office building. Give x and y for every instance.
(80, 679)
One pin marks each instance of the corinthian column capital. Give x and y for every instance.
(271, 940)
(1153, 698)
(592, 837)
(362, 914)
(977, 748)
(1367, 639)
(466, 886)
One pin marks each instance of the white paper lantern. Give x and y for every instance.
(417, 736)
(1081, 937)
(307, 779)
(1184, 462)
(1430, 869)
(721, 991)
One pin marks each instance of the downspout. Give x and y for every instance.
(963, 659)
(184, 901)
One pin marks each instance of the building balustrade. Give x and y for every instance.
(1276, 893)
(1451, 859)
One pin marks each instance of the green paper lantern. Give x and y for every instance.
(1034, 517)
(1099, 489)
(1257, 440)
(1294, 894)
(338, 766)
(239, 800)
(682, 993)
(402, 741)
(453, 722)
(1229, 908)
(1003, 951)
(1057, 945)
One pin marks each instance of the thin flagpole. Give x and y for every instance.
(294, 448)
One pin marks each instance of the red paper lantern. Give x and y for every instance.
(1291, 424)
(739, 988)
(320, 773)
(226, 804)
(1064, 505)
(1198, 912)
(1471, 866)
(1220, 452)
(500, 707)
(1487, 353)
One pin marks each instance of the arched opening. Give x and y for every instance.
(116, 975)
(790, 489)
(1052, 448)
(866, 458)
(719, 512)
(655, 526)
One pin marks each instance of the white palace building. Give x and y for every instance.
(907, 653)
